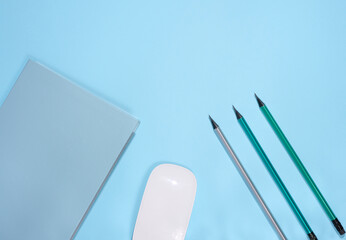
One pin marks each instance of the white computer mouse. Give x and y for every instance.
(166, 205)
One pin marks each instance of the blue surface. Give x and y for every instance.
(170, 64)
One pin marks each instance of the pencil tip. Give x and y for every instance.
(213, 123)
(239, 116)
(259, 101)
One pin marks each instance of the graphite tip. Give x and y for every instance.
(239, 116)
(259, 101)
(338, 226)
(213, 123)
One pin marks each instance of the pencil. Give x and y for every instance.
(246, 178)
(274, 175)
(300, 165)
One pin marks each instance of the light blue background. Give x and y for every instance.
(170, 64)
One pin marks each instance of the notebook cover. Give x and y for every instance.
(58, 144)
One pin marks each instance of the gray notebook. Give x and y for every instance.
(58, 144)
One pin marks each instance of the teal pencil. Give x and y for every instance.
(300, 166)
(275, 175)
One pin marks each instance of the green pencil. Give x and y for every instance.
(274, 175)
(300, 166)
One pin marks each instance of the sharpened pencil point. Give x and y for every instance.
(213, 123)
(239, 116)
(259, 101)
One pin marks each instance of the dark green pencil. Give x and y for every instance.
(275, 175)
(300, 166)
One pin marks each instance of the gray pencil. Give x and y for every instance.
(246, 178)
